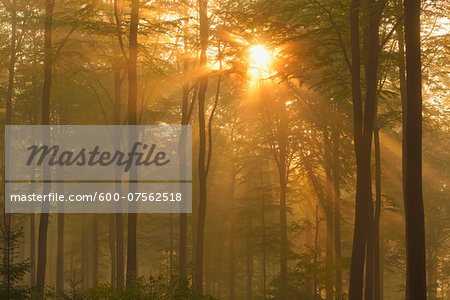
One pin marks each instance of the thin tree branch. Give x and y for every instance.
(119, 30)
(388, 36)
(338, 32)
(64, 41)
(192, 104)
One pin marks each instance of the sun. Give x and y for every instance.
(259, 63)
(259, 57)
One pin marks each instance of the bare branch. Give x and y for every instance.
(338, 32)
(388, 36)
(119, 30)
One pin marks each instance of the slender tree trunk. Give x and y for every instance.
(204, 28)
(132, 120)
(414, 212)
(32, 250)
(370, 255)
(182, 256)
(263, 224)
(402, 80)
(12, 62)
(185, 118)
(95, 250)
(376, 232)
(360, 228)
(316, 246)
(7, 217)
(84, 258)
(120, 264)
(112, 248)
(43, 222)
(363, 129)
(170, 244)
(11, 71)
(329, 215)
(119, 272)
(232, 225)
(382, 247)
(371, 71)
(32, 236)
(249, 261)
(51, 268)
(282, 170)
(283, 253)
(337, 212)
(60, 241)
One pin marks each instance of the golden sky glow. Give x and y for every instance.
(260, 61)
(259, 57)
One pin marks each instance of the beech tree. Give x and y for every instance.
(416, 287)
(319, 151)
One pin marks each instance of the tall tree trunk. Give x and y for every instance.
(363, 129)
(328, 166)
(170, 245)
(60, 256)
(182, 256)
(119, 272)
(412, 172)
(264, 238)
(337, 212)
(43, 221)
(7, 259)
(185, 118)
(402, 81)
(32, 232)
(371, 72)
(232, 226)
(60, 240)
(32, 250)
(376, 232)
(360, 228)
(117, 268)
(84, 258)
(112, 248)
(132, 120)
(382, 247)
(8, 117)
(249, 260)
(282, 173)
(12, 62)
(283, 251)
(316, 246)
(120, 257)
(204, 28)
(95, 249)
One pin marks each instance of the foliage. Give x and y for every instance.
(12, 270)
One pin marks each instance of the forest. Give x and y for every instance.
(320, 146)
